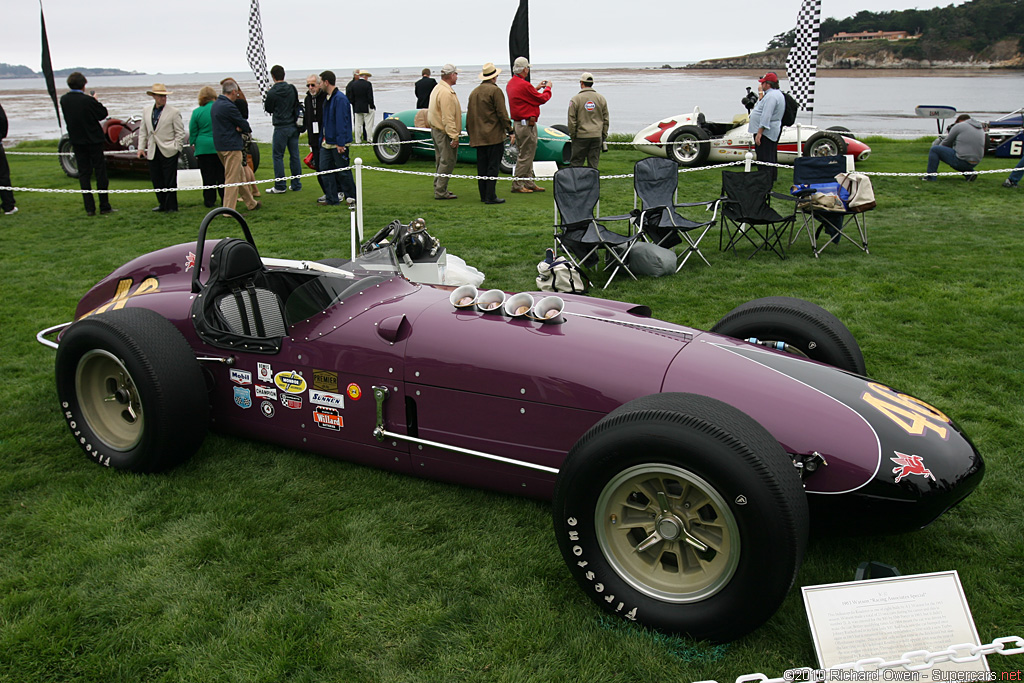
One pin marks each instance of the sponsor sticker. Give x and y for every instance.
(354, 392)
(190, 261)
(328, 418)
(291, 401)
(265, 392)
(241, 376)
(326, 398)
(267, 408)
(910, 464)
(243, 399)
(290, 381)
(325, 380)
(264, 373)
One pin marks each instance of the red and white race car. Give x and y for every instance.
(692, 140)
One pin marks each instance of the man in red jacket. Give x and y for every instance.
(524, 102)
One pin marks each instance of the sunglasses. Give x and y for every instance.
(311, 85)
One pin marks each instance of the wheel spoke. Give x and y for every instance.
(651, 540)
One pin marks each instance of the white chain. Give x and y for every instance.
(916, 660)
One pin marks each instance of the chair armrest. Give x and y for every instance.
(624, 217)
(786, 197)
(685, 204)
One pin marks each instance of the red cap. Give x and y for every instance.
(770, 76)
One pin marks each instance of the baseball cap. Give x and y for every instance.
(587, 77)
(770, 77)
(448, 69)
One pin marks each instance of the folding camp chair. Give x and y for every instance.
(814, 174)
(747, 213)
(577, 231)
(656, 184)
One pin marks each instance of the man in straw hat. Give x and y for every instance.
(524, 102)
(161, 137)
(488, 125)
(363, 108)
(445, 117)
(588, 123)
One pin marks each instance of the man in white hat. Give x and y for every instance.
(488, 125)
(524, 102)
(161, 137)
(588, 123)
(445, 117)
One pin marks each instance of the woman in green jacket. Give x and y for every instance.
(200, 134)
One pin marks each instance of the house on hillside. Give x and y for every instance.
(843, 36)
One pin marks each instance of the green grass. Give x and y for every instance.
(257, 563)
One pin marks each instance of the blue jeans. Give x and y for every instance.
(330, 159)
(286, 136)
(940, 153)
(1018, 172)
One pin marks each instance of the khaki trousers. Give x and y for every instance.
(586, 150)
(445, 157)
(233, 174)
(526, 140)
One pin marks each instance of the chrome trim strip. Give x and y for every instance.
(381, 433)
(41, 336)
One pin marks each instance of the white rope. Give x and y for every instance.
(916, 660)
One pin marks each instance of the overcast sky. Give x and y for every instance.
(183, 36)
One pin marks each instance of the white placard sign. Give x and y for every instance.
(890, 617)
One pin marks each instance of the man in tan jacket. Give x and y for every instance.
(445, 117)
(488, 125)
(588, 123)
(161, 137)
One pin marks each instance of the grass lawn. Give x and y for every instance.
(257, 563)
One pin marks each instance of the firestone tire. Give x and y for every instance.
(131, 390)
(807, 329)
(689, 155)
(68, 163)
(390, 139)
(662, 475)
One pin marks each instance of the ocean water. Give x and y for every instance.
(867, 102)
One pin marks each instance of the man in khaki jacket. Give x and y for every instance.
(588, 123)
(488, 125)
(161, 137)
(445, 117)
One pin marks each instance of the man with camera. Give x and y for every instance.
(766, 122)
(524, 102)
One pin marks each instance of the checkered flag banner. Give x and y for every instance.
(802, 62)
(255, 51)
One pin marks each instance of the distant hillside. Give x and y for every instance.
(976, 34)
(21, 71)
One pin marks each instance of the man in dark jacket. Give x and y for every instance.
(6, 196)
(282, 103)
(423, 88)
(335, 141)
(82, 114)
(228, 126)
(488, 125)
(314, 121)
(363, 108)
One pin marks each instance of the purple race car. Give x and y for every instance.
(685, 467)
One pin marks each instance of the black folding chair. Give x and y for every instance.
(656, 183)
(836, 224)
(577, 231)
(747, 213)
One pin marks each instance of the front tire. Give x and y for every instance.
(825, 144)
(807, 329)
(682, 513)
(390, 142)
(131, 390)
(68, 163)
(692, 147)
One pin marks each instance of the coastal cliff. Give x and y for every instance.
(881, 54)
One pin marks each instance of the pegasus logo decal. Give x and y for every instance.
(910, 464)
(662, 127)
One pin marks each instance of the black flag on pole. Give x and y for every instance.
(51, 86)
(519, 34)
(802, 62)
(255, 51)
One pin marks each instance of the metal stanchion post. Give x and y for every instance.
(352, 231)
(799, 141)
(359, 198)
(748, 158)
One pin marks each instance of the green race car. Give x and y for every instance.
(392, 144)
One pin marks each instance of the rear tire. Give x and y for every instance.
(825, 144)
(659, 477)
(131, 390)
(807, 329)
(68, 163)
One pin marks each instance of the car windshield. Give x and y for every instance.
(336, 283)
